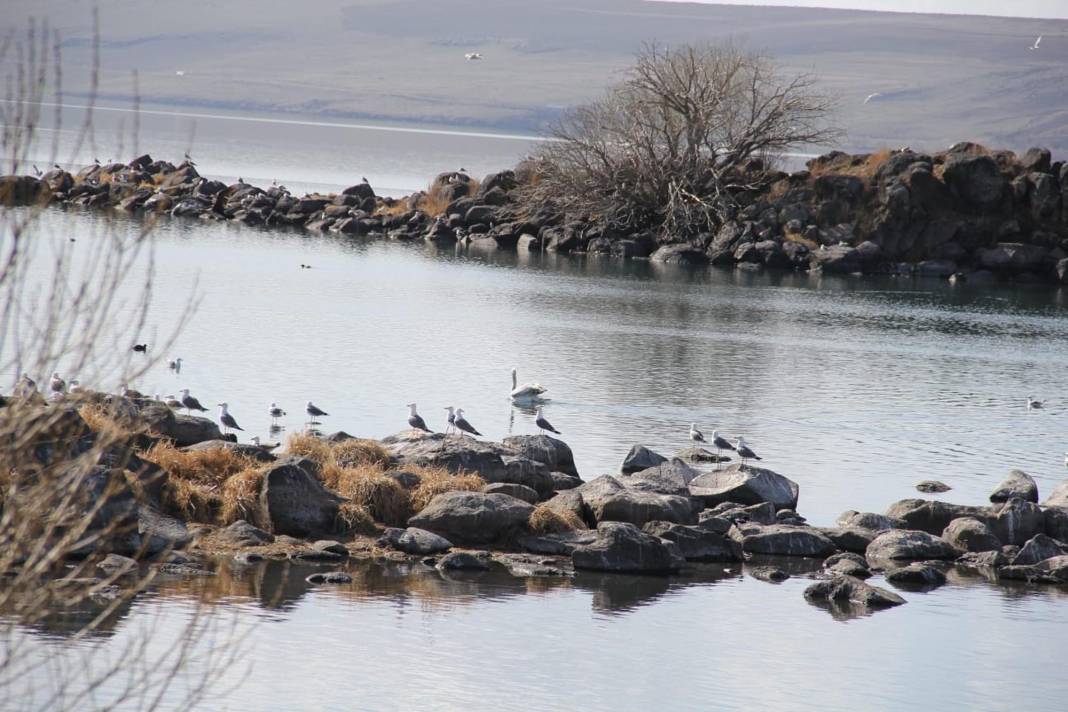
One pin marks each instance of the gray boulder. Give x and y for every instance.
(551, 452)
(854, 539)
(640, 458)
(415, 541)
(1058, 497)
(746, 485)
(639, 507)
(1017, 484)
(1016, 521)
(1056, 523)
(970, 534)
(562, 481)
(916, 574)
(933, 487)
(700, 454)
(473, 517)
(160, 532)
(512, 490)
(695, 543)
(294, 502)
(932, 516)
(624, 548)
(782, 540)
(464, 561)
(568, 504)
(983, 559)
(1039, 548)
(561, 544)
(679, 254)
(191, 429)
(1054, 570)
(595, 492)
(241, 533)
(672, 477)
(976, 180)
(850, 590)
(868, 520)
(906, 544)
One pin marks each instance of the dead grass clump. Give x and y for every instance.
(241, 496)
(383, 497)
(310, 447)
(104, 424)
(352, 453)
(190, 500)
(544, 520)
(209, 467)
(437, 480)
(863, 166)
(353, 518)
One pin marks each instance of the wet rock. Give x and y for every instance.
(552, 452)
(782, 540)
(917, 574)
(1056, 523)
(768, 574)
(1018, 484)
(568, 504)
(1058, 497)
(933, 486)
(473, 517)
(1016, 521)
(294, 502)
(562, 481)
(527, 566)
(331, 546)
(241, 533)
(640, 458)
(310, 555)
(983, 559)
(906, 544)
(242, 449)
(672, 477)
(854, 539)
(1039, 548)
(329, 577)
(970, 534)
(847, 589)
(869, 520)
(932, 516)
(847, 564)
(788, 516)
(695, 543)
(561, 544)
(463, 561)
(713, 522)
(745, 484)
(622, 547)
(699, 454)
(763, 513)
(116, 565)
(512, 490)
(415, 541)
(679, 254)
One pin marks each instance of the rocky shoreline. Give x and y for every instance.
(188, 495)
(967, 214)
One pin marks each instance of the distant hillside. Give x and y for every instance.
(938, 79)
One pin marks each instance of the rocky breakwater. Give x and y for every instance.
(968, 214)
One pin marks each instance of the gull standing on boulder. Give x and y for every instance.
(416, 421)
(189, 402)
(721, 443)
(462, 424)
(544, 424)
(696, 435)
(314, 412)
(451, 418)
(226, 419)
(255, 440)
(527, 392)
(744, 452)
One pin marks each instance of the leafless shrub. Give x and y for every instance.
(673, 144)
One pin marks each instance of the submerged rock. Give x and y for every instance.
(933, 486)
(334, 577)
(769, 574)
(463, 561)
(898, 544)
(916, 575)
(847, 589)
(782, 540)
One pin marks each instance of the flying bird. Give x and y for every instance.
(872, 97)
(189, 402)
(462, 424)
(544, 424)
(226, 419)
(415, 420)
(1037, 43)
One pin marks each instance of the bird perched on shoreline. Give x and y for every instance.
(314, 412)
(544, 424)
(172, 402)
(744, 452)
(74, 386)
(720, 443)
(415, 420)
(57, 384)
(228, 421)
(1033, 404)
(527, 392)
(451, 418)
(696, 435)
(127, 392)
(189, 402)
(255, 440)
(462, 424)
(275, 412)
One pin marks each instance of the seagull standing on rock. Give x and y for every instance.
(189, 402)
(451, 419)
(462, 424)
(744, 452)
(228, 420)
(255, 440)
(696, 435)
(720, 443)
(544, 424)
(415, 420)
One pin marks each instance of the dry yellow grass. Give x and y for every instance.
(352, 453)
(381, 496)
(310, 447)
(861, 169)
(104, 424)
(209, 467)
(241, 496)
(354, 518)
(190, 500)
(436, 480)
(544, 520)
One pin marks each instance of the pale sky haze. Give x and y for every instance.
(1000, 8)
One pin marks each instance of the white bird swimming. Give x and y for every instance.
(226, 419)
(526, 392)
(415, 420)
(473, 55)
(275, 412)
(1032, 403)
(1037, 43)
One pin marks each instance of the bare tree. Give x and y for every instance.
(675, 142)
(68, 495)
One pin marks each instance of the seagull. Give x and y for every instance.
(57, 384)
(527, 392)
(871, 97)
(721, 443)
(1033, 404)
(189, 402)
(1036, 44)
(140, 348)
(364, 179)
(275, 412)
(473, 55)
(226, 419)
(544, 424)
(415, 420)
(451, 419)
(180, 73)
(127, 392)
(462, 424)
(73, 386)
(172, 402)
(744, 452)
(255, 440)
(175, 365)
(696, 435)
(313, 412)
(36, 170)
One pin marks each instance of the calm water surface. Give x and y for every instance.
(856, 389)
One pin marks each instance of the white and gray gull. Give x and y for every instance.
(314, 411)
(720, 443)
(226, 419)
(451, 418)
(275, 412)
(744, 452)
(462, 424)
(1032, 403)
(696, 435)
(415, 420)
(189, 402)
(57, 384)
(544, 424)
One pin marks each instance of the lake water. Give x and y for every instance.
(855, 388)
